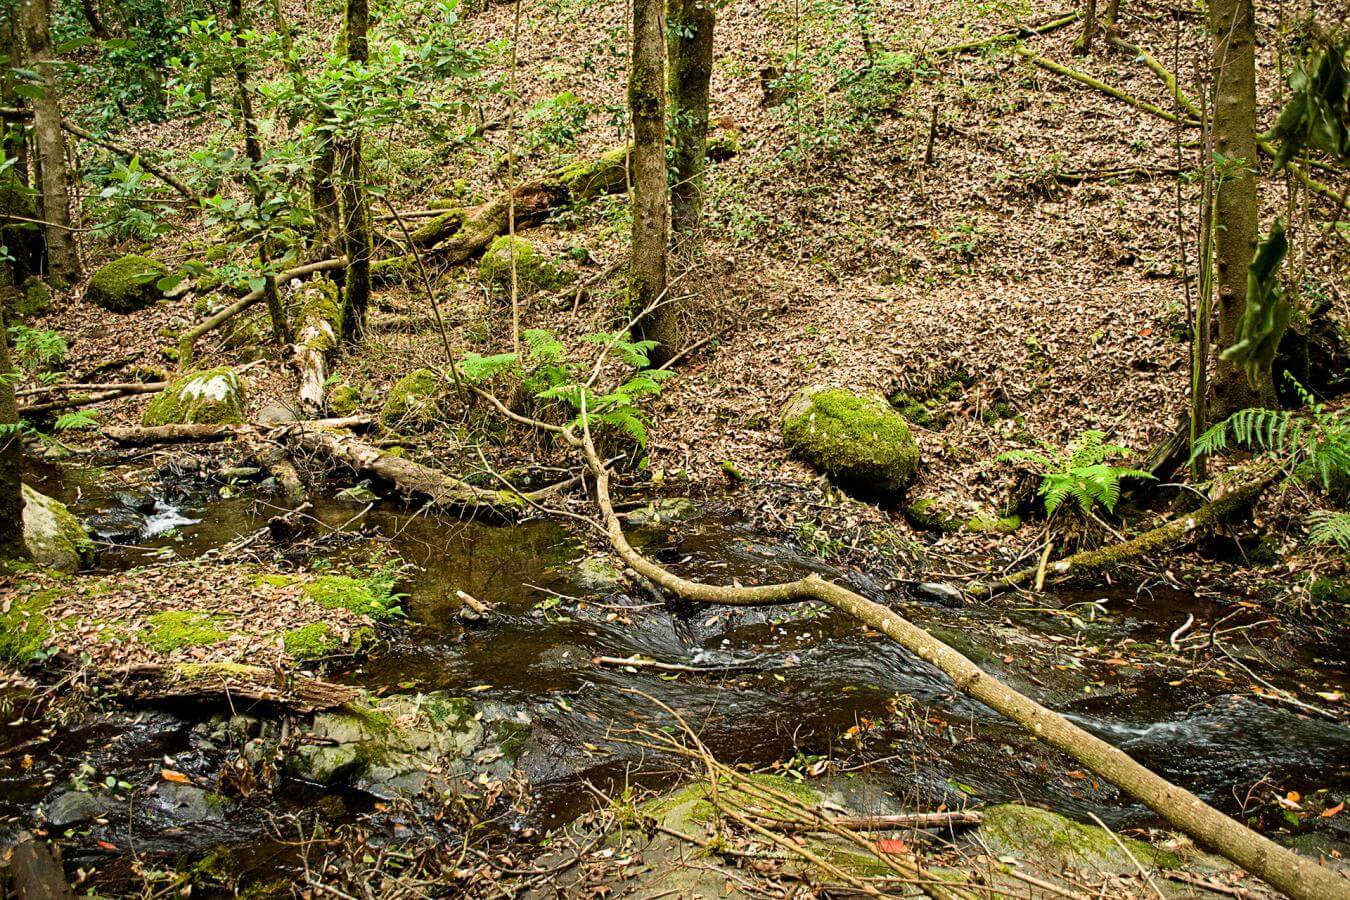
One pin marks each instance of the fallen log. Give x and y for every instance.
(1299, 877)
(124, 390)
(412, 480)
(188, 339)
(897, 822)
(1164, 537)
(272, 458)
(37, 871)
(233, 682)
(145, 436)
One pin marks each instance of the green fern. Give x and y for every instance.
(1079, 473)
(476, 369)
(77, 420)
(1313, 444)
(1327, 527)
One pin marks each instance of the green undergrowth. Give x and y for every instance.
(24, 626)
(318, 640)
(369, 595)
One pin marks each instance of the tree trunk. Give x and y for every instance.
(1083, 46)
(96, 26)
(355, 214)
(647, 106)
(12, 546)
(63, 259)
(1233, 29)
(281, 331)
(690, 44)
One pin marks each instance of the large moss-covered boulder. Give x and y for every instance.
(533, 270)
(54, 536)
(127, 284)
(206, 397)
(414, 402)
(856, 439)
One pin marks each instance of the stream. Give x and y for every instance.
(817, 685)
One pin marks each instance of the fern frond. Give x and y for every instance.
(1327, 527)
(477, 368)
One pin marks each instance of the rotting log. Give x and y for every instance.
(1165, 537)
(414, 481)
(189, 338)
(1297, 876)
(233, 682)
(274, 460)
(149, 435)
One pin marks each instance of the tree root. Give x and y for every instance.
(1164, 537)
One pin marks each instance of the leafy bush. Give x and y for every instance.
(1079, 473)
(37, 350)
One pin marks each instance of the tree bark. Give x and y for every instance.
(355, 215)
(281, 329)
(12, 546)
(1233, 31)
(63, 259)
(1083, 46)
(647, 107)
(690, 25)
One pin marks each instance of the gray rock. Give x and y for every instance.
(74, 808)
(596, 575)
(189, 803)
(660, 512)
(944, 594)
(54, 536)
(277, 413)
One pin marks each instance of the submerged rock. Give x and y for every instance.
(127, 284)
(661, 512)
(596, 575)
(74, 808)
(189, 803)
(396, 746)
(206, 397)
(54, 536)
(855, 439)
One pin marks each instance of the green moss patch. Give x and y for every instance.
(25, 627)
(127, 284)
(319, 639)
(1057, 843)
(857, 440)
(318, 316)
(175, 629)
(374, 597)
(344, 400)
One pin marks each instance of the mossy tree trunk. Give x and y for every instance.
(281, 330)
(1233, 31)
(63, 260)
(647, 107)
(12, 546)
(13, 137)
(355, 214)
(689, 27)
(1083, 46)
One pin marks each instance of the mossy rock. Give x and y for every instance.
(35, 300)
(414, 402)
(857, 440)
(55, 538)
(126, 285)
(206, 397)
(319, 640)
(372, 597)
(533, 271)
(1331, 590)
(1056, 843)
(344, 400)
(176, 629)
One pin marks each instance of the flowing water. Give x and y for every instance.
(809, 682)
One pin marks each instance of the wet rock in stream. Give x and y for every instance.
(404, 746)
(74, 808)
